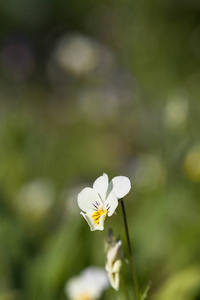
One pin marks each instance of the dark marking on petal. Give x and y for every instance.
(95, 206)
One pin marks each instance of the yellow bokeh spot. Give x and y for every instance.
(97, 214)
(192, 164)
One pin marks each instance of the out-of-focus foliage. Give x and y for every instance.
(174, 288)
(88, 87)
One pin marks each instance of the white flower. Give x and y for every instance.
(35, 199)
(114, 264)
(102, 200)
(89, 285)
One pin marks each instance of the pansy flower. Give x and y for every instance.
(101, 201)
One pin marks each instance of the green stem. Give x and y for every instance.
(130, 252)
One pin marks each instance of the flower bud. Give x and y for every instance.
(113, 265)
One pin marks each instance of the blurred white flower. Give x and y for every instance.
(89, 285)
(35, 198)
(176, 110)
(114, 263)
(99, 104)
(102, 200)
(80, 55)
(106, 101)
(76, 54)
(149, 172)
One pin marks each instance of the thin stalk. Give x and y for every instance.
(130, 252)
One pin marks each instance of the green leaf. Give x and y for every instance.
(182, 285)
(145, 292)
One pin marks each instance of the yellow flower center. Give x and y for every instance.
(84, 296)
(97, 214)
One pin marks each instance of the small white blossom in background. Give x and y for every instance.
(114, 255)
(80, 55)
(89, 285)
(149, 172)
(36, 198)
(101, 201)
(177, 110)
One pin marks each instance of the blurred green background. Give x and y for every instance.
(88, 87)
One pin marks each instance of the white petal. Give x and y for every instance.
(72, 287)
(101, 185)
(114, 280)
(111, 203)
(114, 253)
(117, 266)
(102, 220)
(120, 185)
(88, 200)
(92, 224)
(95, 282)
(97, 277)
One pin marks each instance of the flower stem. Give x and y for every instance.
(130, 252)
